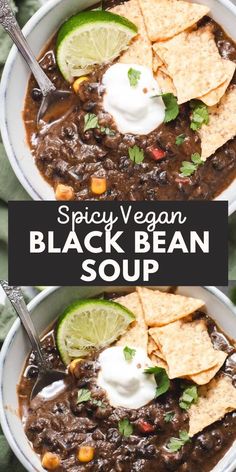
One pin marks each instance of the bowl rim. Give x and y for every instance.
(41, 13)
(10, 338)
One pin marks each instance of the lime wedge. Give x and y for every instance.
(90, 38)
(90, 324)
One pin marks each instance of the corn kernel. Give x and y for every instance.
(98, 185)
(86, 453)
(78, 82)
(51, 461)
(64, 192)
(73, 365)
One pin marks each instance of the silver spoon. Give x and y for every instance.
(50, 94)
(46, 376)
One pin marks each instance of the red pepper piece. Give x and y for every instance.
(182, 180)
(145, 427)
(156, 153)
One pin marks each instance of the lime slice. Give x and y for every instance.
(90, 324)
(90, 38)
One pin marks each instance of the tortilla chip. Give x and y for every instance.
(194, 63)
(152, 346)
(161, 308)
(215, 400)
(137, 333)
(221, 126)
(159, 362)
(204, 377)
(166, 18)
(157, 62)
(187, 347)
(140, 49)
(214, 96)
(165, 82)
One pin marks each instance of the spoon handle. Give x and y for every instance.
(11, 26)
(14, 294)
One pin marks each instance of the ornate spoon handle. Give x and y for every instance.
(9, 23)
(14, 294)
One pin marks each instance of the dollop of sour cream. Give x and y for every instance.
(124, 381)
(133, 108)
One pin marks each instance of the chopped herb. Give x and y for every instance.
(136, 154)
(134, 77)
(175, 444)
(196, 159)
(199, 115)
(125, 427)
(129, 353)
(107, 131)
(84, 395)
(162, 379)
(90, 121)
(180, 139)
(188, 168)
(98, 403)
(172, 107)
(189, 396)
(168, 417)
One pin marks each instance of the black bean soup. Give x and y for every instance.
(66, 154)
(61, 426)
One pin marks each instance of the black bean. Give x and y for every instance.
(36, 94)
(113, 436)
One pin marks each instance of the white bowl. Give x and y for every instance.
(44, 309)
(16, 74)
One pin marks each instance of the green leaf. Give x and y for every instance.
(199, 114)
(98, 403)
(180, 139)
(136, 154)
(90, 121)
(188, 397)
(184, 436)
(168, 417)
(129, 353)
(172, 107)
(187, 168)
(84, 395)
(125, 427)
(162, 379)
(175, 444)
(196, 159)
(107, 131)
(134, 77)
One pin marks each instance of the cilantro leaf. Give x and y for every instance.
(136, 154)
(107, 131)
(84, 395)
(129, 353)
(172, 107)
(125, 427)
(187, 168)
(180, 139)
(196, 159)
(90, 121)
(175, 444)
(98, 403)
(168, 417)
(162, 379)
(134, 77)
(199, 114)
(188, 397)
